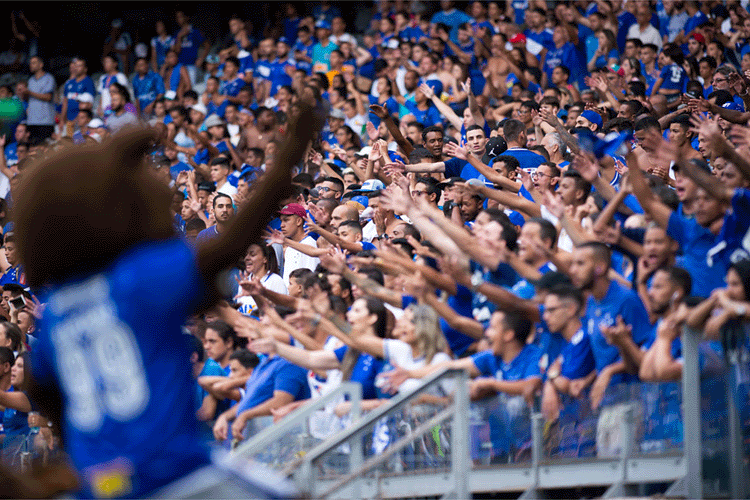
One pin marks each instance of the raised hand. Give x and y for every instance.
(379, 111)
(586, 165)
(274, 236)
(554, 204)
(466, 86)
(334, 260)
(428, 91)
(459, 152)
(395, 166)
(709, 129)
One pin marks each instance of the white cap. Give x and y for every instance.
(96, 123)
(200, 108)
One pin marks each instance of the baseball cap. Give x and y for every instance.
(284, 40)
(593, 117)
(323, 24)
(699, 37)
(519, 38)
(96, 123)
(200, 108)
(370, 186)
(293, 209)
(213, 120)
(451, 181)
(364, 152)
(362, 200)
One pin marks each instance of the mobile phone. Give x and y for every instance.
(17, 302)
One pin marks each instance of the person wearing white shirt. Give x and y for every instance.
(111, 75)
(643, 30)
(260, 262)
(293, 227)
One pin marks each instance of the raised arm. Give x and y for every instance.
(658, 211)
(245, 228)
(444, 109)
(492, 175)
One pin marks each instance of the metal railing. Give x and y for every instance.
(280, 445)
(328, 468)
(688, 436)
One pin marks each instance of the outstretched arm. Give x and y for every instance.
(219, 253)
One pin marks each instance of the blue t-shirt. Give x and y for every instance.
(15, 424)
(543, 38)
(232, 87)
(191, 43)
(428, 117)
(161, 48)
(696, 241)
(210, 369)
(279, 76)
(577, 357)
(674, 77)
(125, 394)
(274, 374)
(525, 365)
(306, 50)
(15, 274)
(74, 90)
(527, 158)
(567, 56)
(365, 370)
(453, 18)
(618, 301)
(147, 88)
(733, 242)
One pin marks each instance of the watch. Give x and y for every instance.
(476, 281)
(740, 310)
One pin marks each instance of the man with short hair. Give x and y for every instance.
(608, 305)
(119, 118)
(514, 132)
(223, 213)
(78, 93)
(331, 188)
(15, 273)
(219, 176)
(293, 218)
(40, 113)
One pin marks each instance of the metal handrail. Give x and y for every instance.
(458, 409)
(378, 413)
(300, 417)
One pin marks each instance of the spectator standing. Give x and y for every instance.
(40, 113)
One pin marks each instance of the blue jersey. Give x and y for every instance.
(733, 242)
(618, 301)
(527, 158)
(674, 77)
(567, 56)
(232, 87)
(696, 241)
(15, 425)
(577, 357)
(524, 366)
(542, 39)
(279, 77)
(365, 370)
(128, 401)
(306, 50)
(191, 43)
(146, 88)
(15, 274)
(160, 48)
(75, 90)
(274, 374)
(428, 117)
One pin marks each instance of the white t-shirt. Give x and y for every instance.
(399, 353)
(649, 35)
(227, 189)
(294, 259)
(104, 90)
(270, 281)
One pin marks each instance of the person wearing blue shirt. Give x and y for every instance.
(515, 136)
(562, 308)
(190, 44)
(147, 87)
(537, 33)
(14, 380)
(78, 92)
(608, 305)
(451, 17)
(231, 81)
(130, 404)
(673, 78)
(281, 67)
(160, 44)
(274, 383)
(564, 53)
(303, 49)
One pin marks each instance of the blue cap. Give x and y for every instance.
(362, 200)
(249, 173)
(323, 24)
(284, 40)
(593, 117)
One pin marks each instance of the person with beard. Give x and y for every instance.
(608, 306)
(119, 118)
(223, 212)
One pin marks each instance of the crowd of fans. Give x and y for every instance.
(540, 193)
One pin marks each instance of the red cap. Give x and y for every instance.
(294, 209)
(519, 38)
(700, 38)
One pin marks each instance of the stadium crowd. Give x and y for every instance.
(540, 193)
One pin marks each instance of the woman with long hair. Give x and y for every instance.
(606, 54)
(261, 263)
(16, 403)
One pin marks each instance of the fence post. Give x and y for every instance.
(691, 418)
(460, 438)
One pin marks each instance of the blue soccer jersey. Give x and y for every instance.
(113, 344)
